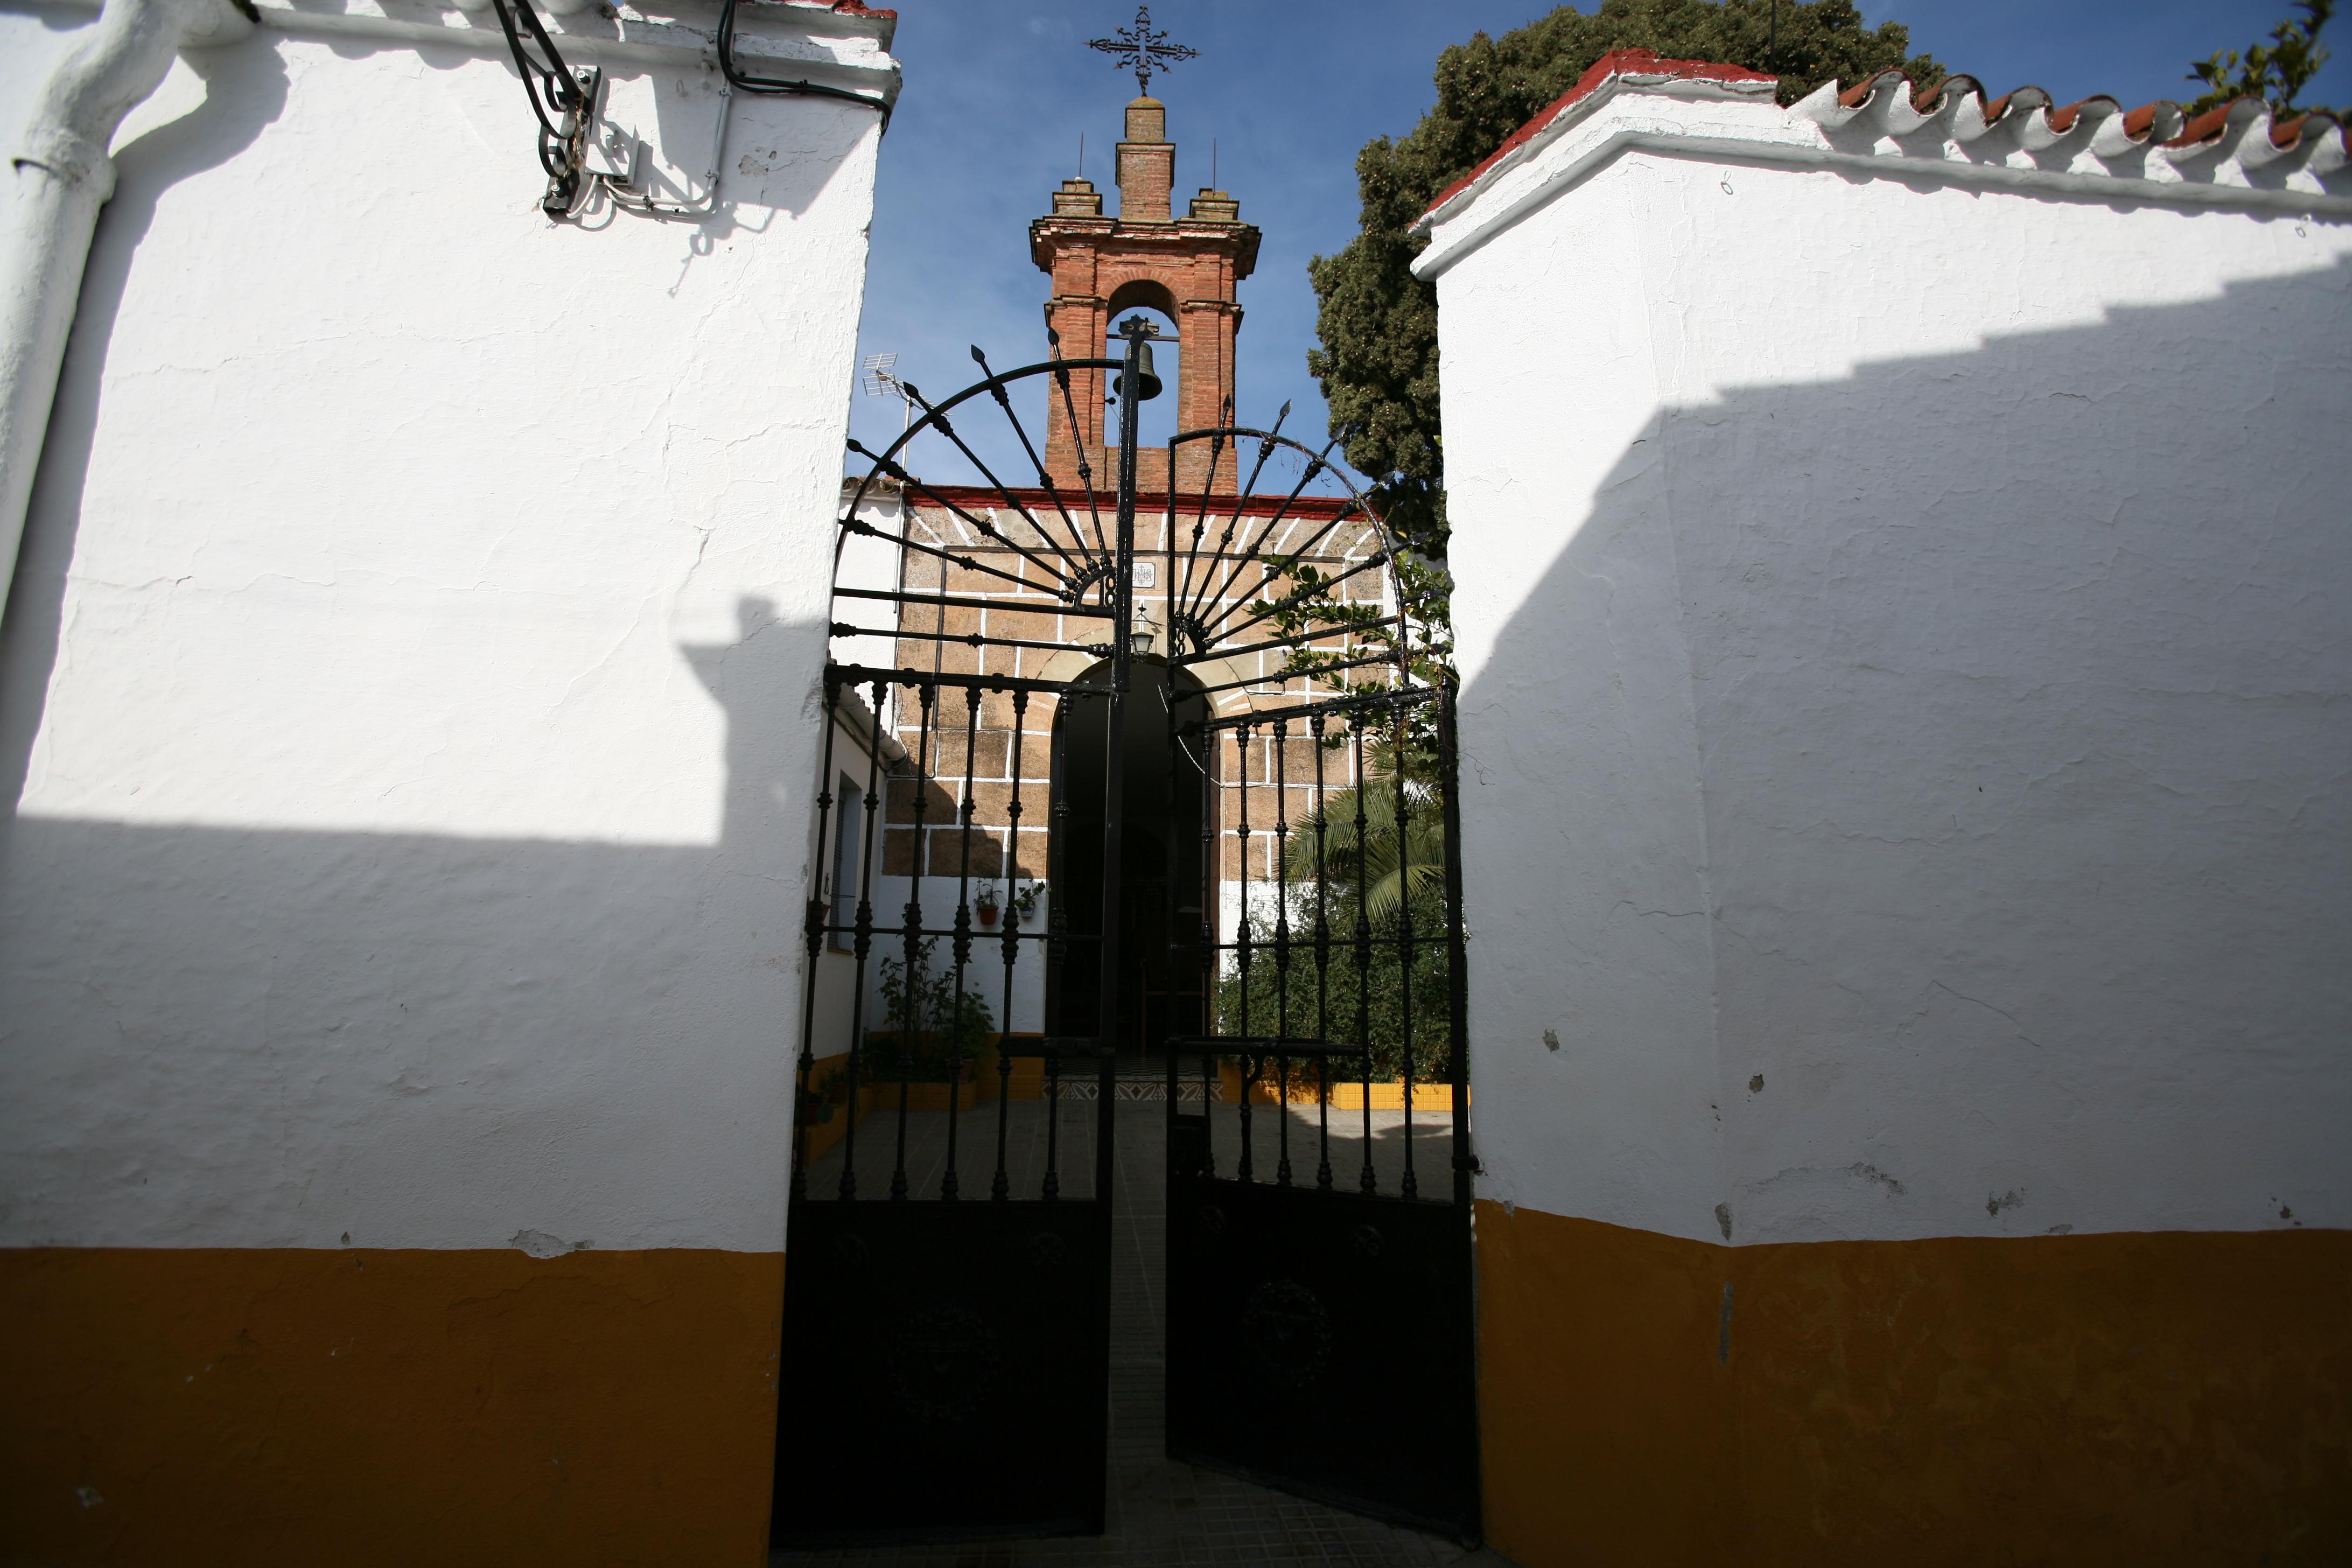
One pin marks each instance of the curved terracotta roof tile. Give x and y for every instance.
(2063, 120)
(1860, 93)
(1945, 119)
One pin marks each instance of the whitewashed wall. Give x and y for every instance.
(412, 670)
(1908, 696)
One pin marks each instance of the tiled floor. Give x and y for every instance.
(1160, 1512)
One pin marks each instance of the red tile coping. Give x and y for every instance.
(1616, 62)
(1317, 508)
(843, 7)
(2137, 123)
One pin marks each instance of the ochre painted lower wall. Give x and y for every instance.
(2166, 1397)
(359, 1407)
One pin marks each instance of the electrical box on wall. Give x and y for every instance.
(659, 141)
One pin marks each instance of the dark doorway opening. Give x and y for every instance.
(1161, 844)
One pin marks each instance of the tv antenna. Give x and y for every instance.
(879, 374)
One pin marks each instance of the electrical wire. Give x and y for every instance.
(552, 93)
(564, 111)
(747, 83)
(625, 198)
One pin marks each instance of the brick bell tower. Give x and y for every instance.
(1185, 267)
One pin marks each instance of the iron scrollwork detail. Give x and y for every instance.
(944, 1364)
(1290, 1331)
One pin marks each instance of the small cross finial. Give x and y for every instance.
(1142, 50)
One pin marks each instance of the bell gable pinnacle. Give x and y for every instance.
(1185, 267)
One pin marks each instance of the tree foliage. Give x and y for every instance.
(1387, 997)
(2275, 72)
(1391, 869)
(1378, 323)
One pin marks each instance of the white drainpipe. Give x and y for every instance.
(59, 176)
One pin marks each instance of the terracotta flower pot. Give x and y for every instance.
(988, 914)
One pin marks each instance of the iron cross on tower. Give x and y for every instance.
(1142, 50)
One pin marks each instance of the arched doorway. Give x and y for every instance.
(1164, 882)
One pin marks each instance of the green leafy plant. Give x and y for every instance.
(1394, 868)
(824, 1092)
(2276, 72)
(932, 1032)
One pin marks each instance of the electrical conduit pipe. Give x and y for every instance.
(59, 176)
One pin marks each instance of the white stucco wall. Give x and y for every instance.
(1909, 700)
(411, 672)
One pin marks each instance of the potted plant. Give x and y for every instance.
(1024, 902)
(934, 1037)
(986, 905)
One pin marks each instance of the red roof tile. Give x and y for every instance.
(1617, 62)
(2162, 122)
(844, 7)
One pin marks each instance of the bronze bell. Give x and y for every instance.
(1146, 384)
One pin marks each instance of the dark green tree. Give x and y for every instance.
(2275, 72)
(1378, 323)
(1393, 873)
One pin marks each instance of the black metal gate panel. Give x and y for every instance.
(967, 1396)
(946, 1353)
(1317, 1344)
(1320, 1332)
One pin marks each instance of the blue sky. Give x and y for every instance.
(997, 93)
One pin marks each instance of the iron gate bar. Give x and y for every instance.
(1282, 943)
(1045, 480)
(948, 1189)
(1296, 596)
(940, 424)
(958, 601)
(912, 939)
(1244, 1170)
(861, 948)
(1323, 980)
(1258, 1044)
(1057, 367)
(1337, 628)
(1256, 552)
(867, 673)
(1412, 1184)
(1361, 703)
(1000, 1189)
(867, 529)
(1321, 670)
(1267, 446)
(919, 486)
(1366, 1182)
(1267, 440)
(1085, 472)
(815, 923)
(970, 639)
(1457, 975)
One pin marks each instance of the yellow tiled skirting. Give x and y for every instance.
(2164, 1398)
(243, 1407)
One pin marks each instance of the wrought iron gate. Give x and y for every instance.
(1319, 1309)
(946, 1319)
